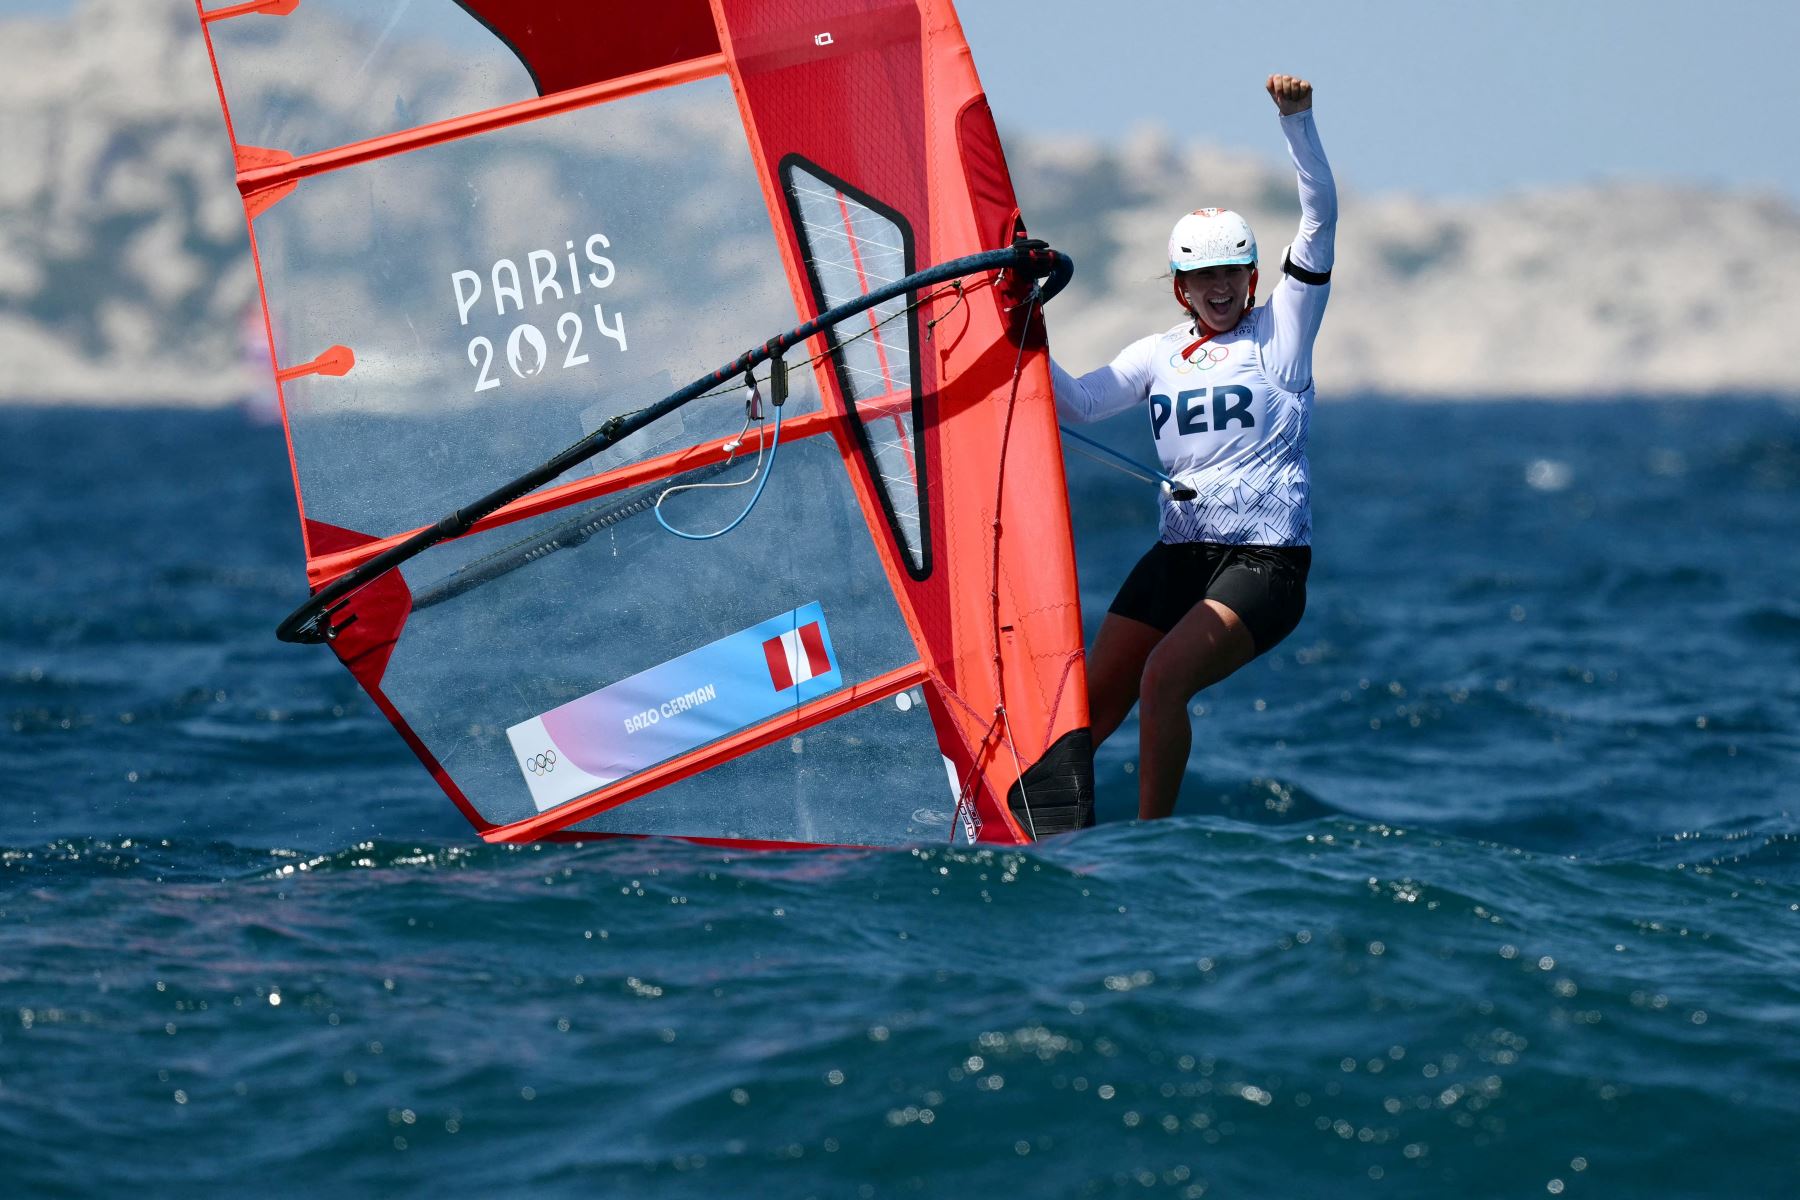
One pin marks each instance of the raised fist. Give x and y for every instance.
(1290, 93)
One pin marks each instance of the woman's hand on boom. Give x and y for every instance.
(1290, 93)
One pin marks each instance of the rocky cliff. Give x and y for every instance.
(124, 265)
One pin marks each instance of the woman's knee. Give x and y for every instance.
(1185, 665)
(1168, 680)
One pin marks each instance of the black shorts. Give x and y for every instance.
(1264, 585)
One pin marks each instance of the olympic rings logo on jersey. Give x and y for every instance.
(541, 764)
(1205, 360)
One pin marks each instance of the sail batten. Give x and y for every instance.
(255, 180)
(327, 567)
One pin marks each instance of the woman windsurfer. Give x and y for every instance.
(1230, 391)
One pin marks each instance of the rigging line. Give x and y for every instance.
(730, 388)
(813, 360)
(994, 593)
(1130, 469)
(1012, 401)
(1128, 466)
(1000, 714)
(565, 535)
(762, 481)
(886, 381)
(1011, 745)
(931, 325)
(1062, 684)
(965, 793)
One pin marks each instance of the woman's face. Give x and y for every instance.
(1218, 294)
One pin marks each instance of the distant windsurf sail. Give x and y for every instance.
(487, 230)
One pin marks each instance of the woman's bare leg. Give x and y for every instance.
(1115, 663)
(1207, 645)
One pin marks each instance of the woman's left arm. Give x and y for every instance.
(1297, 302)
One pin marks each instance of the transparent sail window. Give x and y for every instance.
(507, 293)
(872, 777)
(335, 72)
(854, 245)
(507, 625)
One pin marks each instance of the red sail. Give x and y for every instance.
(502, 224)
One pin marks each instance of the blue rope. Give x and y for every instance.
(768, 470)
(1167, 481)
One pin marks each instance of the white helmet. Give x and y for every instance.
(1211, 237)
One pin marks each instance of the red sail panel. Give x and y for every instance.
(881, 98)
(571, 43)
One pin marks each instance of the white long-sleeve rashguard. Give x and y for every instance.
(1230, 420)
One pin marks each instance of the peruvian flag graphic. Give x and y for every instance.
(796, 656)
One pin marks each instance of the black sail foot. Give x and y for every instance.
(1056, 793)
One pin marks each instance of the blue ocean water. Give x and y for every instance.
(1485, 883)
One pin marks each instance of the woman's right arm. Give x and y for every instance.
(1107, 391)
(1297, 301)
